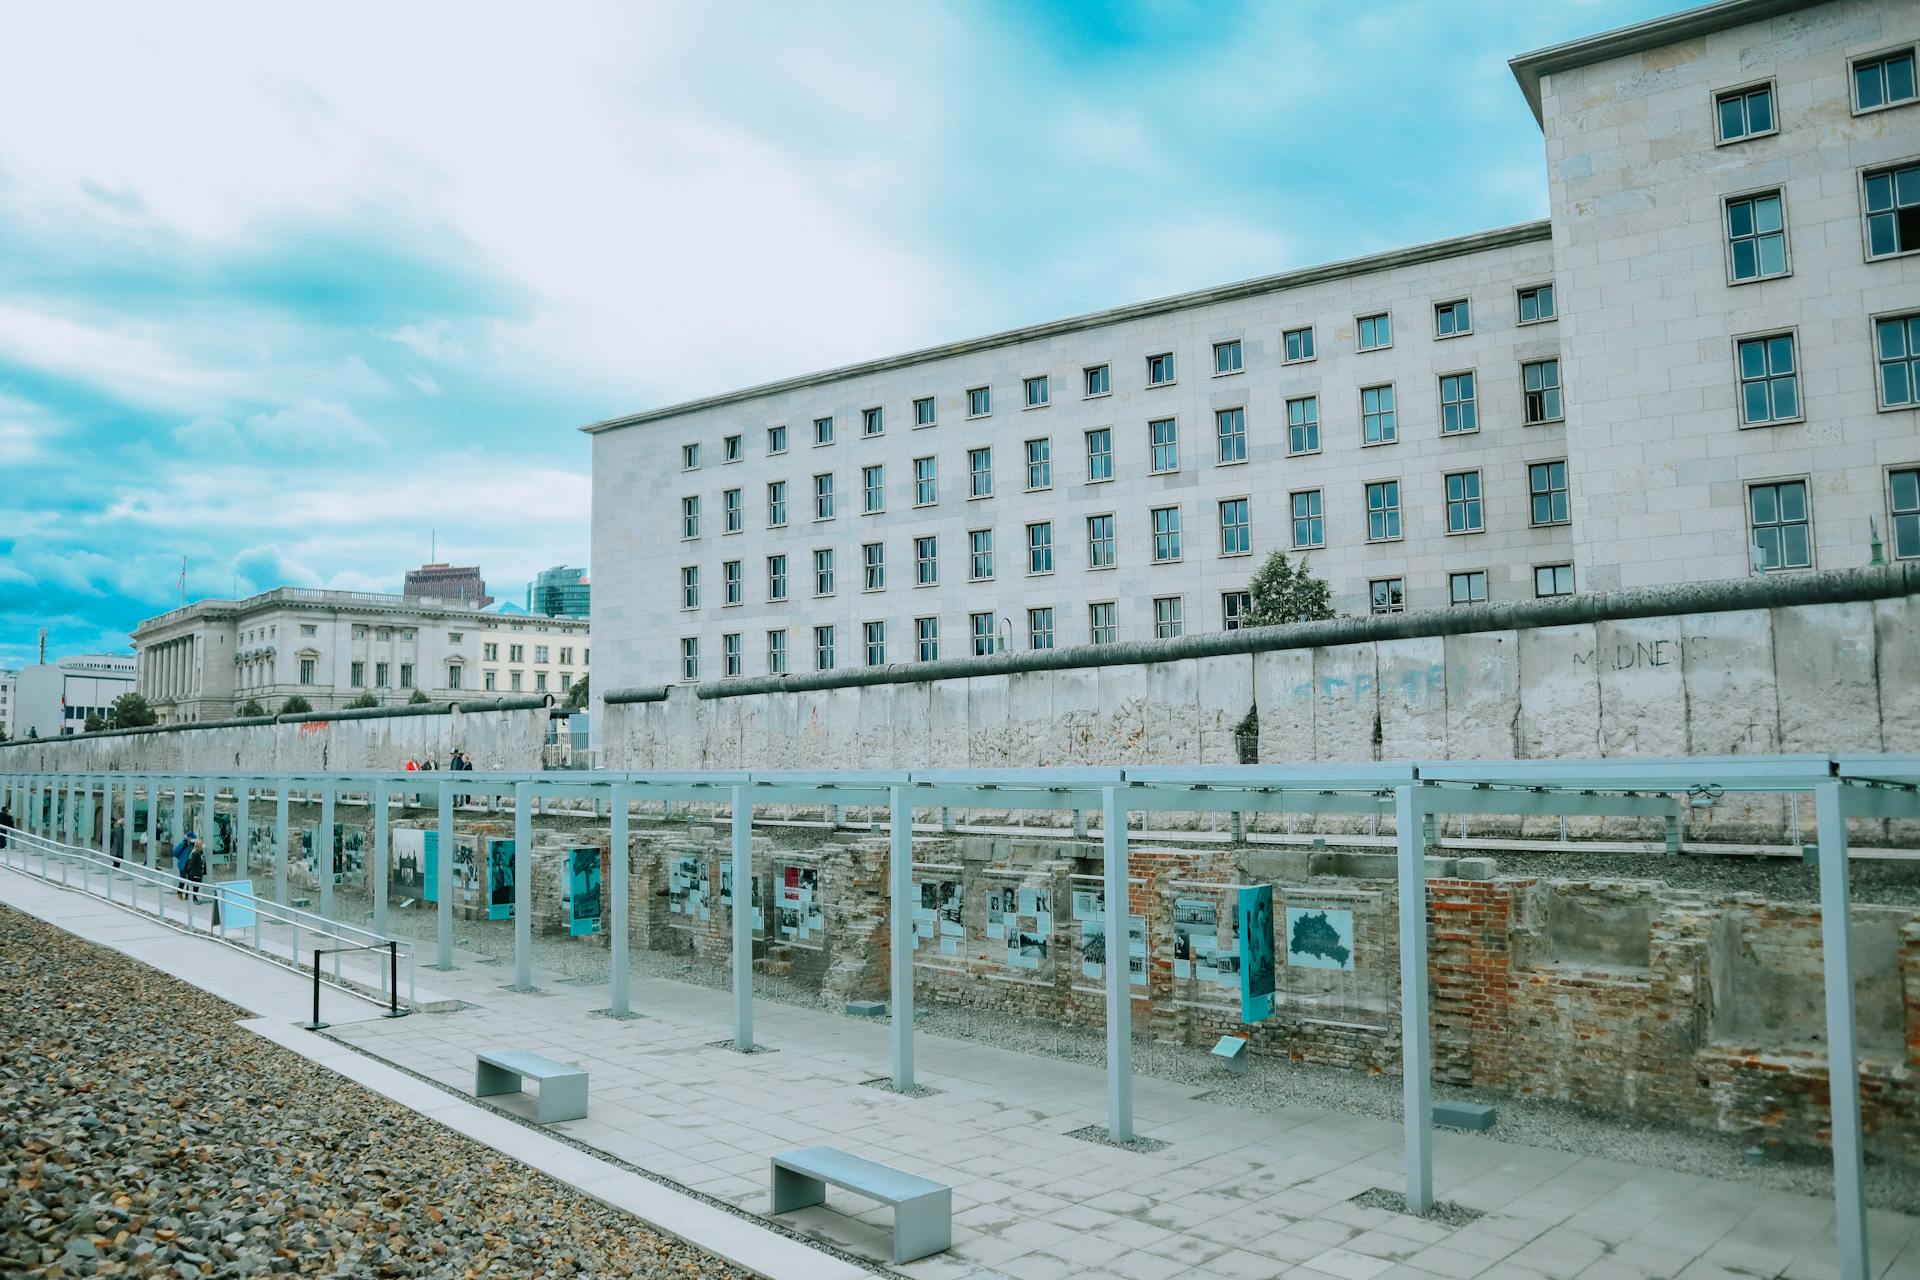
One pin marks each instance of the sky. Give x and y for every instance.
(294, 295)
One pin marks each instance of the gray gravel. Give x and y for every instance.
(1879, 881)
(143, 1133)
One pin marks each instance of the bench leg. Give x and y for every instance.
(563, 1098)
(795, 1190)
(923, 1226)
(489, 1080)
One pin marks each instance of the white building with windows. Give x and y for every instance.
(209, 659)
(9, 687)
(1705, 364)
(51, 699)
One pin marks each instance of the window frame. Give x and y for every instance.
(779, 578)
(830, 574)
(1044, 462)
(822, 438)
(1154, 446)
(974, 554)
(933, 412)
(1741, 381)
(1040, 545)
(926, 639)
(1744, 91)
(1173, 370)
(1312, 398)
(1866, 173)
(974, 473)
(690, 456)
(1912, 50)
(733, 511)
(1392, 411)
(776, 651)
(1486, 586)
(1237, 346)
(873, 637)
(873, 567)
(733, 588)
(1316, 516)
(1219, 437)
(1172, 532)
(1519, 292)
(1035, 614)
(1805, 481)
(977, 636)
(1105, 370)
(1912, 359)
(1245, 527)
(873, 497)
(1359, 319)
(1474, 503)
(1045, 384)
(776, 505)
(1558, 385)
(1470, 403)
(824, 646)
(1111, 542)
(823, 495)
(1107, 453)
(1391, 607)
(689, 660)
(1397, 511)
(733, 448)
(1727, 237)
(922, 577)
(985, 392)
(1553, 567)
(1112, 627)
(1465, 301)
(1176, 617)
(1312, 345)
(1894, 513)
(1565, 489)
(928, 483)
(690, 517)
(776, 440)
(873, 421)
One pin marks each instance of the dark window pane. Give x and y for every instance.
(1760, 112)
(1900, 79)
(1745, 261)
(1766, 507)
(1866, 86)
(1731, 123)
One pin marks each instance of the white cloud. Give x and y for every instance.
(210, 435)
(435, 340)
(314, 426)
(424, 381)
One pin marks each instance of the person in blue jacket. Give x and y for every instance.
(182, 853)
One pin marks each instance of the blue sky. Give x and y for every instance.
(286, 292)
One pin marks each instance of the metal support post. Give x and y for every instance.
(280, 800)
(742, 920)
(618, 856)
(1843, 1053)
(323, 852)
(1410, 822)
(153, 823)
(103, 837)
(946, 818)
(212, 789)
(1238, 826)
(180, 812)
(242, 826)
(900, 934)
(443, 874)
(1079, 824)
(381, 856)
(126, 823)
(523, 800)
(1676, 826)
(1113, 831)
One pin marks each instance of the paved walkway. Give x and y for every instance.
(1233, 1195)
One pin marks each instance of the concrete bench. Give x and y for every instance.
(922, 1210)
(563, 1088)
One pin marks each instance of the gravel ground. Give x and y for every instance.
(1268, 1085)
(1873, 881)
(142, 1133)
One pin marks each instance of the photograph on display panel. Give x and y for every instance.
(583, 891)
(407, 866)
(500, 879)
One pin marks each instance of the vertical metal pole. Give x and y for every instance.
(323, 852)
(381, 854)
(242, 825)
(523, 801)
(180, 811)
(105, 834)
(617, 858)
(212, 789)
(742, 920)
(1843, 1054)
(280, 799)
(1416, 1054)
(900, 934)
(444, 874)
(1113, 822)
(126, 821)
(153, 823)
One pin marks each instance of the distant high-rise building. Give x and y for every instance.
(560, 592)
(448, 583)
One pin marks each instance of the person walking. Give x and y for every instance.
(196, 869)
(116, 836)
(182, 853)
(6, 823)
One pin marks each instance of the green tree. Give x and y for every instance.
(132, 711)
(1283, 593)
(577, 695)
(419, 696)
(364, 700)
(92, 724)
(252, 707)
(296, 706)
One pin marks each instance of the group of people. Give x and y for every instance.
(190, 863)
(458, 762)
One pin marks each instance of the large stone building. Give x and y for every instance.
(1705, 364)
(447, 583)
(208, 659)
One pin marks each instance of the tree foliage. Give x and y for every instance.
(92, 724)
(296, 706)
(132, 711)
(1284, 593)
(363, 700)
(577, 695)
(419, 696)
(252, 707)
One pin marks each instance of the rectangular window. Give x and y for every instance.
(1309, 520)
(1166, 534)
(776, 439)
(1884, 80)
(776, 577)
(730, 509)
(1235, 532)
(1547, 493)
(822, 431)
(1100, 624)
(1098, 379)
(689, 456)
(926, 482)
(729, 649)
(1536, 304)
(1230, 435)
(689, 660)
(1234, 606)
(1756, 237)
(823, 572)
(1552, 580)
(823, 648)
(1451, 319)
(776, 653)
(1744, 113)
(513, 681)
(873, 564)
(487, 679)
(926, 561)
(453, 678)
(980, 473)
(1383, 511)
(490, 652)
(1467, 588)
(823, 496)
(875, 635)
(1769, 380)
(1039, 464)
(873, 488)
(1464, 511)
(1226, 357)
(1037, 391)
(981, 625)
(1303, 425)
(776, 504)
(1893, 211)
(923, 412)
(1299, 344)
(730, 576)
(1164, 436)
(1040, 628)
(730, 448)
(1896, 349)
(1540, 380)
(1376, 331)
(358, 677)
(1387, 595)
(1378, 422)
(1903, 491)
(1040, 547)
(1100, 454)
(926, 635)
(873, 421)
(980, 555)
(1167, 617)
(540, 652)
(1782, 535)
(689, 588)
(979, 402)
(689, 518)
(1459, 412)
(516, 653)
(1160, 369)
(1100, 554)
(566, 655)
